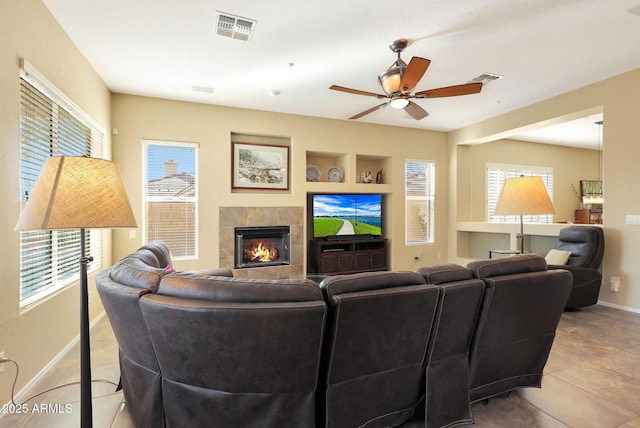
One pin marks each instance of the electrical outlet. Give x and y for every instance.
(614, 284)
(1, 364)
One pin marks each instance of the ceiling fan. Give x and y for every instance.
(400, 79)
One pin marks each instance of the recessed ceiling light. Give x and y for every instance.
(275, 92)
(205, 89)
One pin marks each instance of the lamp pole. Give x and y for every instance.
(86, 411)
(521, 234)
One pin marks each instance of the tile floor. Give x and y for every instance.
(592, 379)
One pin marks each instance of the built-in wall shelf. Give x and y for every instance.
(375, 165)
(352, 165)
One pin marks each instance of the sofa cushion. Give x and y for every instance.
(212, 272)
(238, 290)
(521, 263)
(133, 271)
(442, 274)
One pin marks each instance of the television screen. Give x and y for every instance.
(347, 215)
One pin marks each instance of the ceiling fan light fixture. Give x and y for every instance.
(399, 102)
(391, 78)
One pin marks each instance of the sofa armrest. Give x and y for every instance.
(580, 274)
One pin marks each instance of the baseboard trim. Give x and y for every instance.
(21, 395)
(624, 308)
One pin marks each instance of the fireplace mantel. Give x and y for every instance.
(232, 217)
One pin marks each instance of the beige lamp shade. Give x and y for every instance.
(76, 193)
(524, 196)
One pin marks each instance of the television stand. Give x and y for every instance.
(331, 257)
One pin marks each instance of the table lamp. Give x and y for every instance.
(524, 196)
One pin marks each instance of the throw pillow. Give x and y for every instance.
(557, 257)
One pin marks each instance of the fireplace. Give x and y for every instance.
(262, 246)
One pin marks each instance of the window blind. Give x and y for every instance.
(170, 196)
(496, 176)
(50, 125)
(419, 201)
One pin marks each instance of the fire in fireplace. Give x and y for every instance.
(262, 246)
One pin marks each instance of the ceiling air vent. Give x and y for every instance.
(485, 78)
(233, 26)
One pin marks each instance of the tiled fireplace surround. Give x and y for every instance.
(232, 217)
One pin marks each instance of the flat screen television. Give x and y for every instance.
(345, 216)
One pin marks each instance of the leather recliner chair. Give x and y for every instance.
(120, 289)
(521, 308)
(236, 352)
(447, 362)
(586, 244)
(378, 326)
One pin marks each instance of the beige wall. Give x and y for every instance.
(138, 118)
(617, 98)
(34, 336)
(570, 165)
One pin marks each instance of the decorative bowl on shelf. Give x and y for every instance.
(313, 173)
(335, 174)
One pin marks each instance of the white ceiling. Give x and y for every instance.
(543, 48)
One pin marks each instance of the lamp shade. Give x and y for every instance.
(75, 193)
(524, 196)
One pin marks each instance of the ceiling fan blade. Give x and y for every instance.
(371, 110)
(413, 73)
(451, 91)
(416, 111)
(356, 91)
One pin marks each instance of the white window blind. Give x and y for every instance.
(419, 201)
(496, 176)
(50, 125)
(171, 196)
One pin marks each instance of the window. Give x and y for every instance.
(51, 125)
(498, 173)
(419, 185)
(171, 196)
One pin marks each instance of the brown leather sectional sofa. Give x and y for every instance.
(377, 349)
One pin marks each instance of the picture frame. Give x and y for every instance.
(260, 166)
(590, 187)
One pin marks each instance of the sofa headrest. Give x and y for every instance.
(133, 271)
(520, 263)
(586, 244)
(147, 256)
(238, 290)
(442, 274)
(366, 281)
(160, 250)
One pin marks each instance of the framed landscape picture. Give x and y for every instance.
(260, 166)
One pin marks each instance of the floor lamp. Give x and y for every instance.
(524, 196)
(78, 193)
